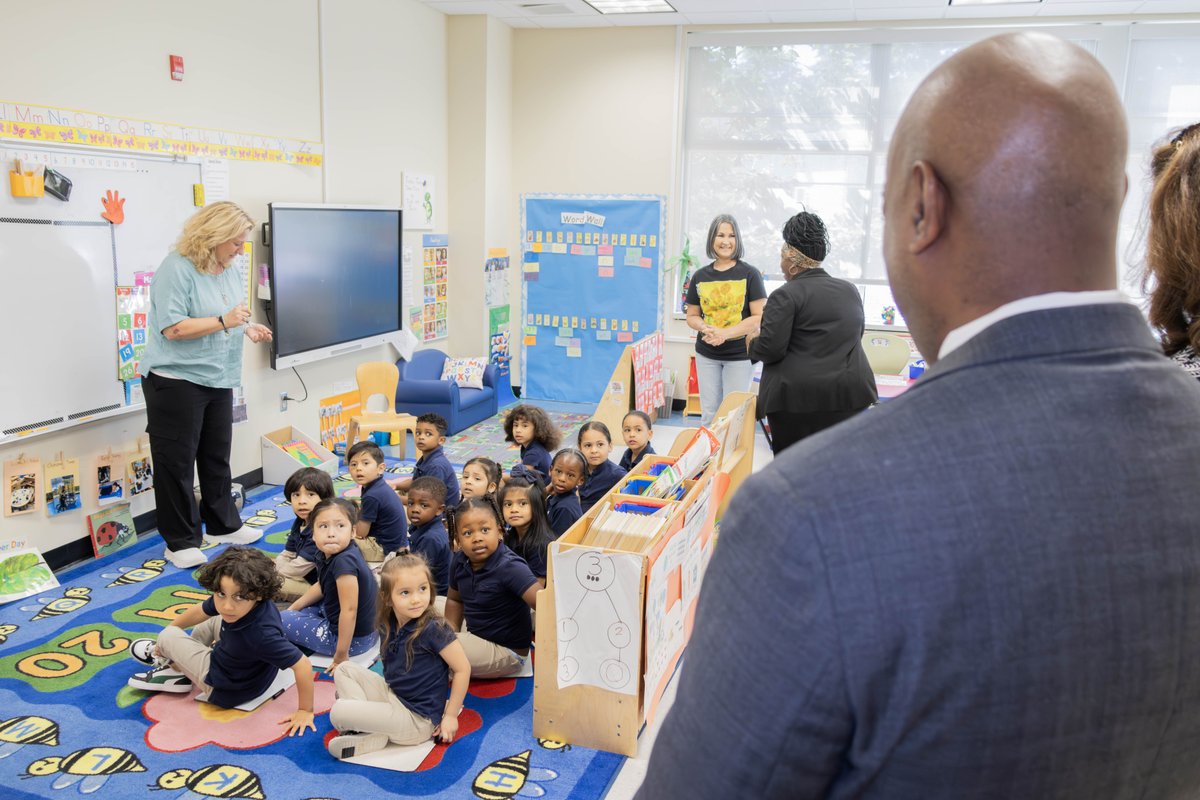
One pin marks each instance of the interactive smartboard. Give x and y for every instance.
(591, 267)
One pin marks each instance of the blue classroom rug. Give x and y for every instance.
(69, 725)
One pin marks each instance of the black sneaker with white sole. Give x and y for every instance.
(349, 744)
(161, 679)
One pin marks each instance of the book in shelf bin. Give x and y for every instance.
(302, 452)
(111, 529)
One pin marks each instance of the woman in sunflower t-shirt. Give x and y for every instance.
(724, 303)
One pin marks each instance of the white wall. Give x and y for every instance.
(253, 67)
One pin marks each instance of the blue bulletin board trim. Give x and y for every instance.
(591, 283)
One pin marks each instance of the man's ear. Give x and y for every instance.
(929, 208)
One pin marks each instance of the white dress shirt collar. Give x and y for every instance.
(1038, 302)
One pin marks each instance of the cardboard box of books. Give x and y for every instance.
(288, 449)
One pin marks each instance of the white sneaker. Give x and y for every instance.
(243, 535)
(143, 651)
(186, 558)
(351, 744)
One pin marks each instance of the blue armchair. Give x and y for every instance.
(422, 391)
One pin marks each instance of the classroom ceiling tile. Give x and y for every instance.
(882, 13)
(576, 13)
(727, 17)
(1088, 8)
(1167, 7)
(841, 14)
(989, 10)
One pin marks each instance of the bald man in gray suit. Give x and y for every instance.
(988, 587)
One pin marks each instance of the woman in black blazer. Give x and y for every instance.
(815, 373)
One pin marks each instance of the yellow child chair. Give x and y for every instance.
(887, 352)
(375, 378)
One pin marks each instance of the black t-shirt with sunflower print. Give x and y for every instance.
(724, 299)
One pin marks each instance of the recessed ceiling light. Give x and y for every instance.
(991, 2)
(630, 6)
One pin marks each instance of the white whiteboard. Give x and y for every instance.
(61, 263)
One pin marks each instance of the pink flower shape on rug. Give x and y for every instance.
(179, 723)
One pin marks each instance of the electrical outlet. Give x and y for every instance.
(283, 398)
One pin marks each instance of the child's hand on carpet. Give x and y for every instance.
(298, 721)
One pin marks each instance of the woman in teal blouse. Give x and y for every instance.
(193, 359)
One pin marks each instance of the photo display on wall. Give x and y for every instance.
(591, 279)
(435, 287)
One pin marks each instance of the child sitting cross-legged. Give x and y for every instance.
(336, 616)
(492, 589)
(568, 470)
(407, 704)
(636, 430)
(527, 532)
(237, 645)
(429, 434)
(426, 532)
(382, 525)
(532, 429)
(297, 563)
(480, 476)
(595, 443)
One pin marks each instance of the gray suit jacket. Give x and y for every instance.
(988, 587)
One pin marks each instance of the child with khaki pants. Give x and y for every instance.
(407, 704)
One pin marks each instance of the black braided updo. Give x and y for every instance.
(806, 233)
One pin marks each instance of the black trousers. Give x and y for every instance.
(788, 427)
(190, 427)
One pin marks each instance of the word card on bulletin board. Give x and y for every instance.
(591, 267)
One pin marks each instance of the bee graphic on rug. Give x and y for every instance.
(91, 767)
(6, 630)
(262, 518)
(17, 732)
(215, 780)
(73, 599)
(150, 568)
(511, 776)
(551, 744)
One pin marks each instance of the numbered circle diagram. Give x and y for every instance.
(568, 668)
(618, 634)
(595, 572)
(614, 673)
(568, 629)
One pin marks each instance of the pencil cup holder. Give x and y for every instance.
(26, 184)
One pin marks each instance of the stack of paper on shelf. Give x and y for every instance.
(624, 530)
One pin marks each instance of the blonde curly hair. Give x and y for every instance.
(211, 226)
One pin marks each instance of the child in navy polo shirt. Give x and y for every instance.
(426, 533)
(480, 476)
(237, 645)
(527, 530)
(492, 588)
(407, 704)
(532, 429)
(568, 470)
(636, 431)
(343, 624)
(595, 442)
(429, 434)
(382, 526)
(297, 563)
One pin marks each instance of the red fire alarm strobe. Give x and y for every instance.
(176, 68)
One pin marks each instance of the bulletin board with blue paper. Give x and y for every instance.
(591, 268)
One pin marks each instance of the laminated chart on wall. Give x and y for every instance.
(590, 268)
